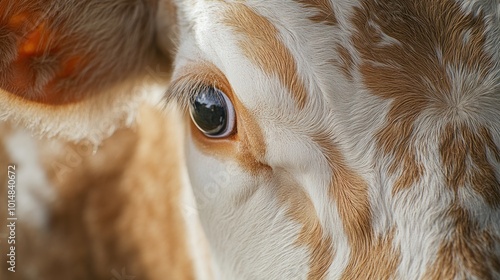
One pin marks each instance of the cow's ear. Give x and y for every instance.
(78, 68)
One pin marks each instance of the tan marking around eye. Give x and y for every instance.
(247, 145)
(409, 69)
(260, 42)
(324, 11)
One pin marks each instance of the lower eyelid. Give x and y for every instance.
(231, 117)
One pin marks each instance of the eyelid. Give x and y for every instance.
(183, 90)
(192, 78)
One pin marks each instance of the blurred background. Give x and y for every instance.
(112, 211)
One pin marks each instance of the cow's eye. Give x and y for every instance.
(213, 113)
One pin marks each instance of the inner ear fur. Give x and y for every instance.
(80, 68)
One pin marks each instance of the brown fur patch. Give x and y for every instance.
(469, 251)
(260, 42)
(349, 190)
(167, 29)
(378, 261)
(410, 72)
(65, 51)
(312, 235)
(345, 61)
(458, 146)
(370, 257)
(324, 11)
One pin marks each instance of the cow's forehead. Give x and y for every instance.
(273, 57)
(328, 51)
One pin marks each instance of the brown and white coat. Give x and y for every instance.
(366, 142)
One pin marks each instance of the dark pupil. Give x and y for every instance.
(208, 110)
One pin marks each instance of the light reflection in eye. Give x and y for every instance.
(213, 113)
